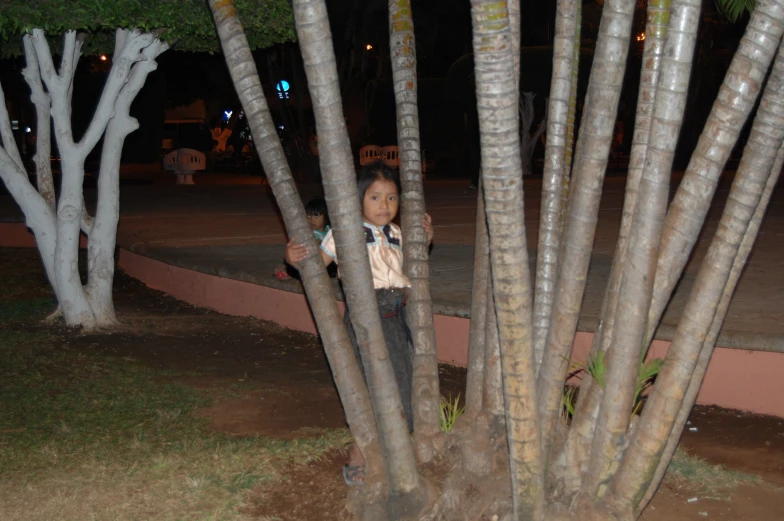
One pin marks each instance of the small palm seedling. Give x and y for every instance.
(567, 401)
(648, 372)
(450, 412)
(597, 368)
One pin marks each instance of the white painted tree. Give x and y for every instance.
(57, 219)
(57, 222)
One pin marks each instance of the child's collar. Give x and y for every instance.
(374, 226)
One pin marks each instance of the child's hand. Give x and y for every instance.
(428, 226)
(295, 253)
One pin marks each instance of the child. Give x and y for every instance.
(316, 209)
(379, 193)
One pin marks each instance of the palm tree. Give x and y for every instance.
(340, 354)
(513, 446)
(419, 310)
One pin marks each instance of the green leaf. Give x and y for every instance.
(732, 10)
(597, 368)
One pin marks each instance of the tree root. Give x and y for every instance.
(54, 316)
(428, 447)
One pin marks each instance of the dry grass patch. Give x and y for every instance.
(690, 472)
(88, 437)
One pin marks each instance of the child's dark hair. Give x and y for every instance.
(372, 173)
(316, 206)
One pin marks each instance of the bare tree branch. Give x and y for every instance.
(43, 108)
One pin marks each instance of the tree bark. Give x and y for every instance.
(598, 123)
(493, 396)
(43, 106)
(39, 215)
(497, 100)
(555, 167)
(557, 164)
(736, 98)
(577, 449)
(103, 235)
(479, 310)
(340, 188)
(707, 348)
(73, 301)
(665, 402)
(57, 234)
(572, 116)
(639, 265)
(340, 354)
(419, 309)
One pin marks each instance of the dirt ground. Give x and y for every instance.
(270, 381)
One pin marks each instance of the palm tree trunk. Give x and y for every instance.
(493, 399)
(497, 98)
(571, 121)
(513, 7)
(736, 98)
(664, 404)
(419, 309)
(566, 27)
(572, 115)
(639, 264)
(593, 146)
(340, 188)
(479, 310)
(577, 449)
(340, 354)
(707, 348)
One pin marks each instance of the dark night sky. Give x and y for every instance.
(443, 36)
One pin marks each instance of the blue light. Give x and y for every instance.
(283, 89)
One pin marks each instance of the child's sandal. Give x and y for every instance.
(352, 473)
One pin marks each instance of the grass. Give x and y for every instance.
(84, 436)
(34, 307)
(451, 410)
(700, 477)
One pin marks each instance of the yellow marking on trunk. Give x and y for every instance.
(227, 6)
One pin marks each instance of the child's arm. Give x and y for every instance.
(295, 253)
(428, 226)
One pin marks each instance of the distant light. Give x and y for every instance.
(369, 47)
(227, 115)
(281, 127)
(28, 130)
(283, 89)
(103, 57)
(641, 37)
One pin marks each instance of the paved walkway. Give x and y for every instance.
(234, 230)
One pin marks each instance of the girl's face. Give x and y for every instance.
(379, 206)
(316, 221)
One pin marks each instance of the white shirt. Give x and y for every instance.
(385, 251)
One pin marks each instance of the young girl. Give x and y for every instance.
(379, 194)
(316, 210)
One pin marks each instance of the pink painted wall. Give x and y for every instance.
(16, 235)
(737, 379)
(745, 380)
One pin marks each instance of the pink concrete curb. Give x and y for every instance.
(736, 379)
(745, 380)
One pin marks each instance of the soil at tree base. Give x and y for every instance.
(266, 380)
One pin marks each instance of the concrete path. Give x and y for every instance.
(234, 230)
